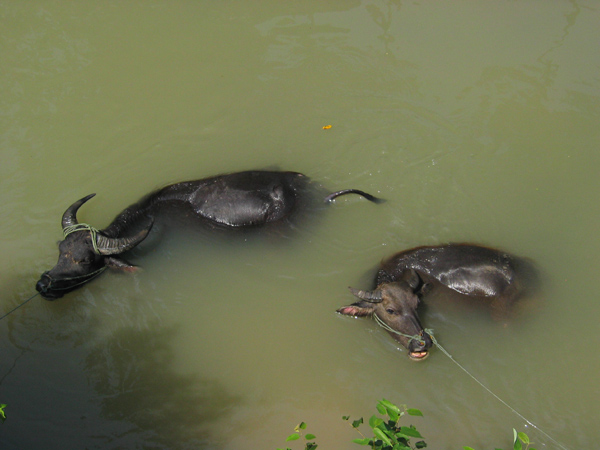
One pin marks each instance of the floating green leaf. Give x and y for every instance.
(375, 421)
(300, 426)
(309, 437)
(524, 438)
(2, 414)
(517, 444)
(362, 441)
(293, 437)
(410, 432)
(357, 422)
(400, 446)
(389, 406)
(414, 412)
(381, 435)
(386, 407)
(393, 416)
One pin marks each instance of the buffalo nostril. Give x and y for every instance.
(44, 283)
(427, 341)
(420, 344)
(41, 286)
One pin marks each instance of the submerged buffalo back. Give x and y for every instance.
(244, 199)
(467, 269)
(471, 270)
(248, 198)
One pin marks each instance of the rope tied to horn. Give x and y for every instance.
(83, 227)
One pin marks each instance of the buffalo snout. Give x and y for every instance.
(419, 346)
(44, 287)
(394, 306)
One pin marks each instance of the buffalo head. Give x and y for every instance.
(83, 254)
(394, 305)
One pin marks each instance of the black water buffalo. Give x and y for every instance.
(468, 269)
(237, 200)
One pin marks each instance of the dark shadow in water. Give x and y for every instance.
(132, 372)
(129, 377)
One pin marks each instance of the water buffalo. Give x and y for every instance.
(470, 270)
(236, 200)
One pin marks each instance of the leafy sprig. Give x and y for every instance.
(298, 433)
(388, 434)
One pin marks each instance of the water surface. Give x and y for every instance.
(476, 121)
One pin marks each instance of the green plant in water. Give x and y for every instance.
(519, 439)
(298, 433)
(388, 434)
(2, 415)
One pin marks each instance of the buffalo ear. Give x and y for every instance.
(120, 264)
(425, 289)
(358, 309)
(413, 279)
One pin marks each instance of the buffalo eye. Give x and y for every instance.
(390, 311)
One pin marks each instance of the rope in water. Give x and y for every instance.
(445, 352)
(17, 307)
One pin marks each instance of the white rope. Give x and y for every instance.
(445, 352)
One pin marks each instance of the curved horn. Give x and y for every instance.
(114, 246)
(69, 218)
(368, 296)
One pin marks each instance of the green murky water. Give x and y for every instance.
(476, 121)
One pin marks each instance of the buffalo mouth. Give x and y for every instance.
(418, 356)
(44, 287)
(49, 295)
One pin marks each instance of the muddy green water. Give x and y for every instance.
(477, 121)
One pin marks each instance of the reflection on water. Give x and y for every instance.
(133, 377)
(476, 122)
